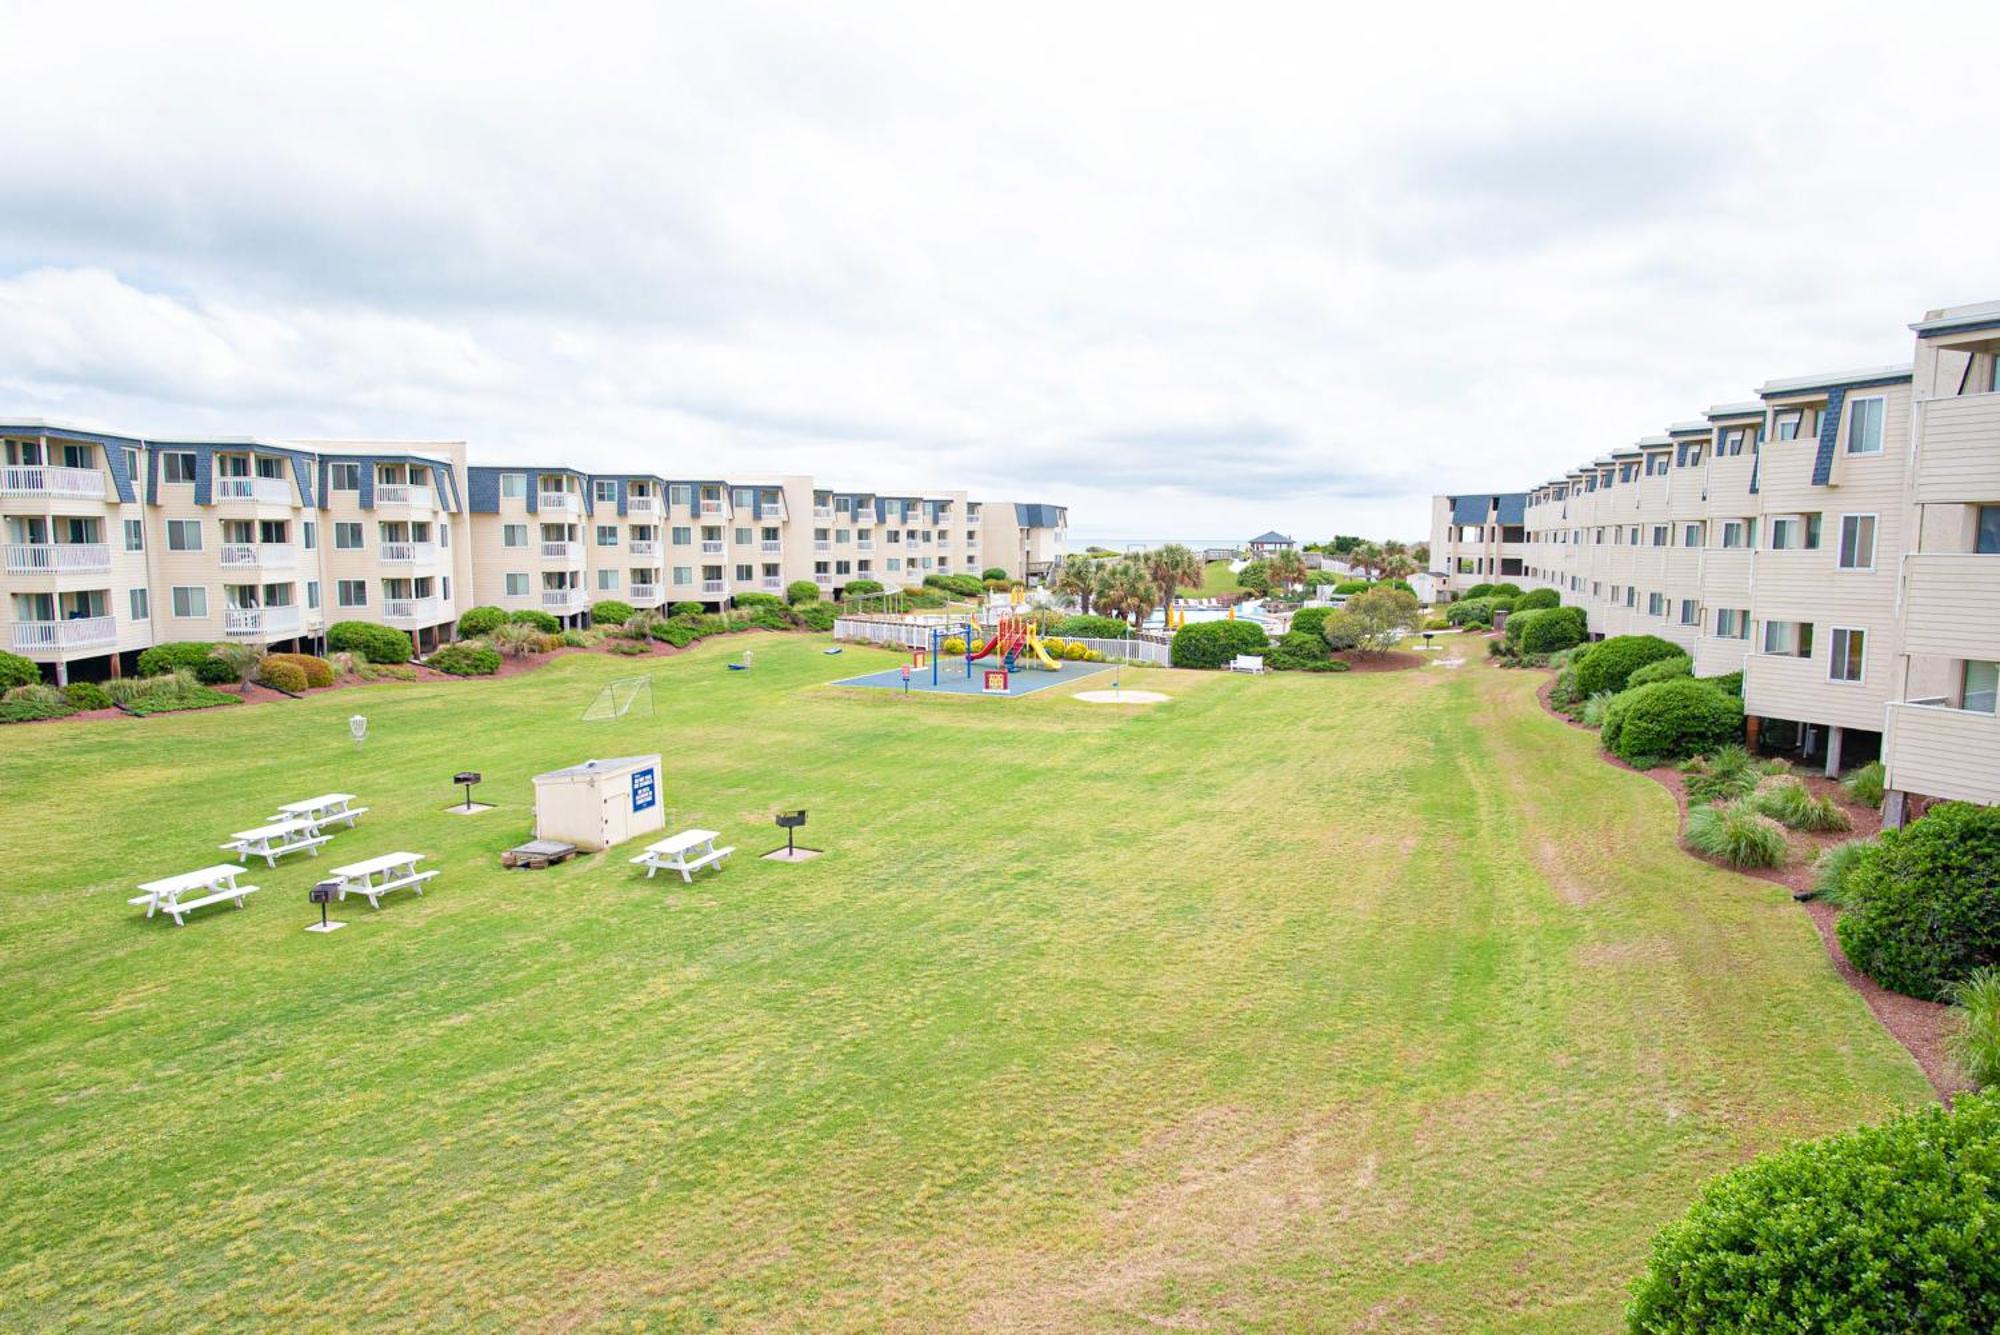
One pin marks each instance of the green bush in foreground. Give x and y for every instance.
(465, 659)
(1535, 600)
(1610, 664)
(1865, 784)
(161, 659)
(1667, 720)
(1729, 683)
(1665, 669)
(1092, 628)
(1926, 901)
(1737, 835)
(1975, 1043)
(1833, 868)
(17, 671)
(81, 695)
(481, 620)
(1299, 651)
(377, 644)
(33, 711)
(215, 671)
(816, 616)
(855, 588)
(1792, 804)
(1888, 1228)
(1213, 644)
(282, 676)
(612, 612)
(1548, 630)
(696, 609)
(545, 622)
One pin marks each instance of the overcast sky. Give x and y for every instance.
(1194, 275)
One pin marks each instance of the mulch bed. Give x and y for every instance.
(1920, 1026)
(1396, 660)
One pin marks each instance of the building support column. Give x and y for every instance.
(62, 671)
(1894, 806)
(1834, 736)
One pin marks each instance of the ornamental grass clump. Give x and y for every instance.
(1975, 1043)
(1790, 803)
(1835, 867)
(1865, 784)
(1723, 775)
(1734, 834)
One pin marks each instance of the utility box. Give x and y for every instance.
(600, 802)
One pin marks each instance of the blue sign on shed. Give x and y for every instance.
(645, 788)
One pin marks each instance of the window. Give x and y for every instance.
(1732, 533)
(607, 535)
(1788, 424)
(190, 601)
(351, 592)
(683, 575)
(179, 467)
(678, 494)
(135, 535)
(683, 535)
(895, 564)
(1690, 612)
(744, 574)
(1986, 526)
(1659, 535)
(513, 486)
(347, 538)
(312, 593)
(517, 585)
(1691, 535)
(1857, 542)
(513, 535)
(1656, 604)
(1795, 533)
(183, 535)
(309, 534)
(605, 491)
(1732, 624)
(1844, 654)
(1631, 595)
(744, 537)
(1864, 425)
(607, 580)
(1982, 685)
(1632, 535)
(444, 535)
(1788, 639)
(140, 607)
(344, 477)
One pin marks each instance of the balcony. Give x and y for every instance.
(711, 547)
(418, 611)
(645, 594)
(824, 581)
(260, 555)
(714, 587)
(645, 547)
(865, 544)
(1956, 461)
(712, 507)
(771, 583)
(643, 505)
(569, 553)
(822, 512)
(1938, 751)
(1951, 605)
(49, 637)
(822, 545)
(260, 490)
(405, 495)
(260, 622)
(559, 502)
(771, 547)
(562, 600)
(84, 484)
(409, 553)
(944, 544)
(57, 558)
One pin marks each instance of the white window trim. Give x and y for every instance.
(1840, 543)
(177, 615)
(1831, 633)
(1881, 445)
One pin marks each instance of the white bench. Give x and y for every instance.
(1247, 663)
(687, 852)
(210, 885)
(271, 842)
(323, 810)
(397, 871)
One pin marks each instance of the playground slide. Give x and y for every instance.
(1002, 643)
(1041, 654)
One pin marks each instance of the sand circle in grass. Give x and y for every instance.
(1121, 697)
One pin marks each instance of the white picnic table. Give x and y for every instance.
(376, 877)
(686, 852)
(273, 841)
(325, 809)
(210, 885)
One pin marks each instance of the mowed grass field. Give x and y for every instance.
(1297, 1002)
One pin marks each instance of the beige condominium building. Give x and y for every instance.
(116, 543)
(1836, 539)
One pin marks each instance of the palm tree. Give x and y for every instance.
(242, 660)
(1366, 558)
(514, 638)
(1076, 578)
(1170, 566)
(1398, 566)
(1286, 568)
(1125, 591)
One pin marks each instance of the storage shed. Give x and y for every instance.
(600, 802)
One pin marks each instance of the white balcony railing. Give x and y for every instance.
(645, 593)
(771, 546)
(713, 586)
(822, 512)
(642, 505)
(559, 501)
(822, 545)
(711, 547)
(56, 558)
(263, 490)
(407, 494)
(570, 552)
(261, 555)
(865, 544)
(420, 610)
(562, 600)
(711, 507)
(46, 480)
(75, 633)
(267, 622)
(824, 581)
(409, 553)
(773, 583)
(645, 547)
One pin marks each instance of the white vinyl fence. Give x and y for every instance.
(910, 635)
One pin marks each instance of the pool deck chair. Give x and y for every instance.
(687, 853)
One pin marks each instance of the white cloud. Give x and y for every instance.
(1196, 273)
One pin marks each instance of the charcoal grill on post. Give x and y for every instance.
(790, 821)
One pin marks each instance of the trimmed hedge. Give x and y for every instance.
(611, 612)
(1611, 662)
(182, 655)
(1535, 600)
(1890, 1227)
(1925, 901)
(1351, 586)
(482, 620)
(282, 676)
(1669, 720)
(993, 572)
(798, 591)
(692, 609)
(1091, 628)
(854, 588)
(86, 695)
(17, 671)
(465, 660)
(1212, 644)
(1729, 683)
(318, 672)
(214, 672)
(1311, 620)
(377, 644)
(1664, 669)
(545, 622)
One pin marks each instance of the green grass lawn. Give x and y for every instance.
(1301, 1001)
(1217, 579)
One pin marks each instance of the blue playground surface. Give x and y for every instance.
(951, 680)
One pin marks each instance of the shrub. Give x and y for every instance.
(1791, 803)
(857, 587)
(34, 710)
(213, 671)
(1535, 600)
(17, 671)
(1476, 591)
(1351, 586)
(1835, 867)
(816, 616)
(680, 632)
(1890, 1227)
(1092, 627)
(573, 639)
(628, 648)
(1865, 784)
(82, 695)
(377, 644)
(1473, 612)
(798, 591)
(1311, 621)
(1548, 630)
(481, 620)
(1664, 669)
(1926, 901)
(993, 573)
(318, 672)
(771, 618)
(164, 658)
(1667, 720)
(696, 609)
(1504, 591)
(952, 645)
(1076, 651)
(1975, 1044)
(35, 692)
(1729, 683)
(749, 602)
(1371, 622)
(1254, 577)
(613, 612)
(1722, 776)
(1737, 835)
(465, 660)
(282, 676)
(1093, 655)
(1298, 650)
(1613, 661)
(1212, 644)
(535, 617)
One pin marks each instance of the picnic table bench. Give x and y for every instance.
(686, 852)
(210, 885)
(324, 809)
(1247, 663)
(273, 841)
(396, 871)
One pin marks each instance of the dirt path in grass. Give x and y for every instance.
(1920, 1026)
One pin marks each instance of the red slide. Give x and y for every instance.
(1006, 641)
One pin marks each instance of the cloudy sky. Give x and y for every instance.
(1193, 273)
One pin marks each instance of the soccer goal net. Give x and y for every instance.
(628, 695)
